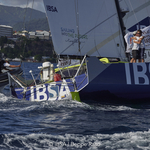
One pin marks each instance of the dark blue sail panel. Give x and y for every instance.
(142, 24)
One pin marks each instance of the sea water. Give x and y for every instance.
(71, 125)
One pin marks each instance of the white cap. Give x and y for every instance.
(134, 33)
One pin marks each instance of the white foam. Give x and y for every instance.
(3, 98)
(64, 103)
(120, 141)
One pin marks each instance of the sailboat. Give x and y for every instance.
(88, 37)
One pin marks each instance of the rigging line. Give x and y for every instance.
(28, 26)
(77, 23)
(100, 10)
(111, 27)
(94, 31)
(24, 29)
(134, 13)
(31, 13)
(25, 14)
(25, 42)
(125, 21)
(88, 32)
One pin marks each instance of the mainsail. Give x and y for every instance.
(82, 27)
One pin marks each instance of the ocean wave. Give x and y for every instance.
(3, 98)
(131, 140)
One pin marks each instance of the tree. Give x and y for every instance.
(37, 39)
(38, 57)
(3, 40)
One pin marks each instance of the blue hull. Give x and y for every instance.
(118, 81)
(128, 81)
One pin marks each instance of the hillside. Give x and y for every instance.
(26, 48)
(33, 25)
(16, 17)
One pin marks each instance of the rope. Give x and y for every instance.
(25, 43)
(25, 80)
(114, 40)
(95, 25)
(35, 79)
(25, 14)
(24, 28)
(19, 80)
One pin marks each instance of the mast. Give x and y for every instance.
(120, 21)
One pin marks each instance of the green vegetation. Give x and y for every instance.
(25, 48)
(38, 57)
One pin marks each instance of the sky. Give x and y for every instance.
(38, 4)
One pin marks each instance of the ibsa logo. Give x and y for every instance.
(49, 92)
(137, 73)
(51, 8)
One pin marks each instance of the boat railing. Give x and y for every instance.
(80, 66)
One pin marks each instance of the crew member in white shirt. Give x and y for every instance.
(137, 39)
(7, 64)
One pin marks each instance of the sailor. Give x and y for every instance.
(142, 48)
(129, 41)
(6, 64)
(137, 39)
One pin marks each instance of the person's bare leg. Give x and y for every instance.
(131, 61)
(134, 60)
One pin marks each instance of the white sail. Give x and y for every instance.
(138, 14)
(95, 22)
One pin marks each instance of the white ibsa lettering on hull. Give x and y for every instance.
(137, 74)
(50, 92)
